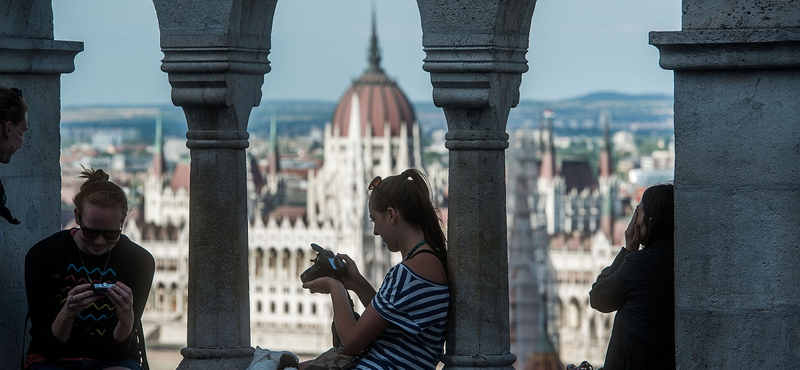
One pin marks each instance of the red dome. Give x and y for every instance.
(379, 101)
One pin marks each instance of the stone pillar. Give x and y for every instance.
(475, 52)
(737, 179)
(215, 53)
(30, 60)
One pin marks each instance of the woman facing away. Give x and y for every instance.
(639, 285)
(87, 286)
(403, 325)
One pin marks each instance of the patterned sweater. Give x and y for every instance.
(53, 267)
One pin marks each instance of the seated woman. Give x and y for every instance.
(87, 287)
(403, 325)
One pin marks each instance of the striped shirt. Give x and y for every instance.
(417, 310)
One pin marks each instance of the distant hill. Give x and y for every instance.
(576, 116)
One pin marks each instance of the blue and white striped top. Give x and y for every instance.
(417, 310)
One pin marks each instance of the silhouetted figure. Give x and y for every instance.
(639, 285)
(14, 123)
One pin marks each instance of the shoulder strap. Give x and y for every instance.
(426, 251)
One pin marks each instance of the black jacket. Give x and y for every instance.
(640, 287)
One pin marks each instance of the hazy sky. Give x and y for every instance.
(320, 46)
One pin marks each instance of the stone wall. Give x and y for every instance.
(31, 61)
(737, 177)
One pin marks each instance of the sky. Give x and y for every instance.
(320, 46)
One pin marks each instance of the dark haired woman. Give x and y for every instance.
(639, 286)
(403, 325)
(14, 120)
(14, 123)
(87, 287)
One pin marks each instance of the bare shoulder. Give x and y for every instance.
(427, 266)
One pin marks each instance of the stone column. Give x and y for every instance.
(215, 53)
(475, 52)
(737, 178)
(30, 60)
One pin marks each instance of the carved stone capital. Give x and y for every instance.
(205, 76)
(728, 49)
(471, 75)
(38, 56)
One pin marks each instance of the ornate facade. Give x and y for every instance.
(373, 132)
(560, 237)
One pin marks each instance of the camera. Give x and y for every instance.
(101, 288)
(325, 264)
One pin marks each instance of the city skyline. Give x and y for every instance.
(576, 48)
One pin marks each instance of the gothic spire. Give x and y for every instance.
(606, 162)
(374, 50)
(548, 167)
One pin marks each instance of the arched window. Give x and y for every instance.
(301, 264)
(272, 261)
(259, 262)
(173, 297)
(573, 314)
(160, 292)
(285, 265)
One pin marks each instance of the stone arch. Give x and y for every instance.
(572, 314)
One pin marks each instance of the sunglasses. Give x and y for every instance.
(90, 233)
(373, 185)
(17, 91)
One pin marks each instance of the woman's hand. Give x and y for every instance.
(122, 297)
(78, 299)
(632, 233)
(353, 277)
(322, 285)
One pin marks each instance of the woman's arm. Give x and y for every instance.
(356, 282)
(609, 291)
(355, 335)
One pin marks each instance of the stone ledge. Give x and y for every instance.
(38, 55)
(728, 49)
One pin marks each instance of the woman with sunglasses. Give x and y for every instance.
(87, 287)
(403, 325)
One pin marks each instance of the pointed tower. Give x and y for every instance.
(607, 180)
(551, 186)
(159, 166)
(548, 169)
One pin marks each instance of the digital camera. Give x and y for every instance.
(101, 288)
(325, 264)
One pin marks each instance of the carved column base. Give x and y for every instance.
(216, 359)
